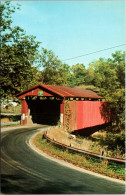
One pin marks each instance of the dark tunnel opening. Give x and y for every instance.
(44, 111)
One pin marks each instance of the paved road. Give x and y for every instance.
(26, 172)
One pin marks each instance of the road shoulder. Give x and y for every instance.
(3, 129)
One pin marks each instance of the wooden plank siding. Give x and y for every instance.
(88, 114)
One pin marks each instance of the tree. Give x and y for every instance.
(109, 76)
(78, 74)
(53, 72)
(18, 54)
(64, 75)
(89, 77)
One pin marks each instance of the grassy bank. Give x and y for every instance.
(7, 119)
(99, 142)
(83, 161)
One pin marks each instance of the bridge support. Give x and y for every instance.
(24, 115)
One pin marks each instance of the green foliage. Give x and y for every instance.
(89, 76)
(109, 76)
(120, 169)
(18, 54)
(116, 142)
(53, 72)
(89, 87)
(78, 74)
(68, 115)
(111, 140)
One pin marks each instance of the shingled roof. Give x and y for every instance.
(65, 91)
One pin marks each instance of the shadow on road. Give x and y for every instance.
(15, 184)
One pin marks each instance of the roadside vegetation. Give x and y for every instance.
(83, 161)
(9, 108)
(10, 113)
(104, 142)
(7, 119)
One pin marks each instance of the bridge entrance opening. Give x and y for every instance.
(43, 111)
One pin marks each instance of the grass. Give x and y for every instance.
(11, 109)
(83, 161)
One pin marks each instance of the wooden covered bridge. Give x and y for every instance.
(45, 104)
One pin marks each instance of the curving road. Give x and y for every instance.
(24, 171)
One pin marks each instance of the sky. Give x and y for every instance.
(74, 28)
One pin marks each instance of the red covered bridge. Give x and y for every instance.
(45, 104)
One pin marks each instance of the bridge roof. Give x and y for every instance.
(63, 91)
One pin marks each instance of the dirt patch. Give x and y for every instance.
(5, 120)
(63, 137)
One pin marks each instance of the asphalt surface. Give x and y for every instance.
(23, 171)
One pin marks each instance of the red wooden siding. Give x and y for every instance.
(34, 93)
(62, 112)
(88, 114)
(91, 113)
(24, 112)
